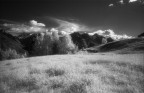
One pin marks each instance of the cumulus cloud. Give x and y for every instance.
(110, 33)
(65, 27)
(121, 2)
(111, 5)
(35, 23)
(132, 1)
(34, 27)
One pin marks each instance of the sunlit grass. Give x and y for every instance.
(68, 75)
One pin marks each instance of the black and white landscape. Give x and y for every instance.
(69, 46)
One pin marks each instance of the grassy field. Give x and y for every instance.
(80, 73)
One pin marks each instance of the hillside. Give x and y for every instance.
(141, 35)
(123, 46)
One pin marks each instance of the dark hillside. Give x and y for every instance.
(83, 40)
(8, 41)
(141, 35)
(136, 44)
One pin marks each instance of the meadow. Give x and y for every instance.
(79, 73)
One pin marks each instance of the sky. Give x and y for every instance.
(118, 15)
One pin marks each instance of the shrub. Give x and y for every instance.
(11, 54)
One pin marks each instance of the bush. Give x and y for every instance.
(10, 54)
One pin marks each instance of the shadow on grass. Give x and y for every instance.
(55, 84)
(15, 84)
(98, 62)
(137, 68)
(92, 71)
(72, 87)
(124, 90)
(127, 68)
(111, 80)
(115, 65)
(126, 76)
(8, 64)
(54, 72)
(34, 71)
(76, 87)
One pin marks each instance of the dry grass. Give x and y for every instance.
(74, 74)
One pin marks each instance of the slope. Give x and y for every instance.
(127, 45)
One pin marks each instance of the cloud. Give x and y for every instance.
(68, 26)
(121, 2)
(34, 23)
(34, 27)
(110, 33)
(132, 1)
(65, 27)
(110, 5)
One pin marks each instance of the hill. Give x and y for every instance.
(141, 35)
(122, 46)
(84, 40)
(10, 46)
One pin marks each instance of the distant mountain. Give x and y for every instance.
(10, 47)
(8, 41)
(141, 35)
(84, 40)
(28, 41)
(124, 46)
(28, 34)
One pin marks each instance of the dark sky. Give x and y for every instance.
(123, 19)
